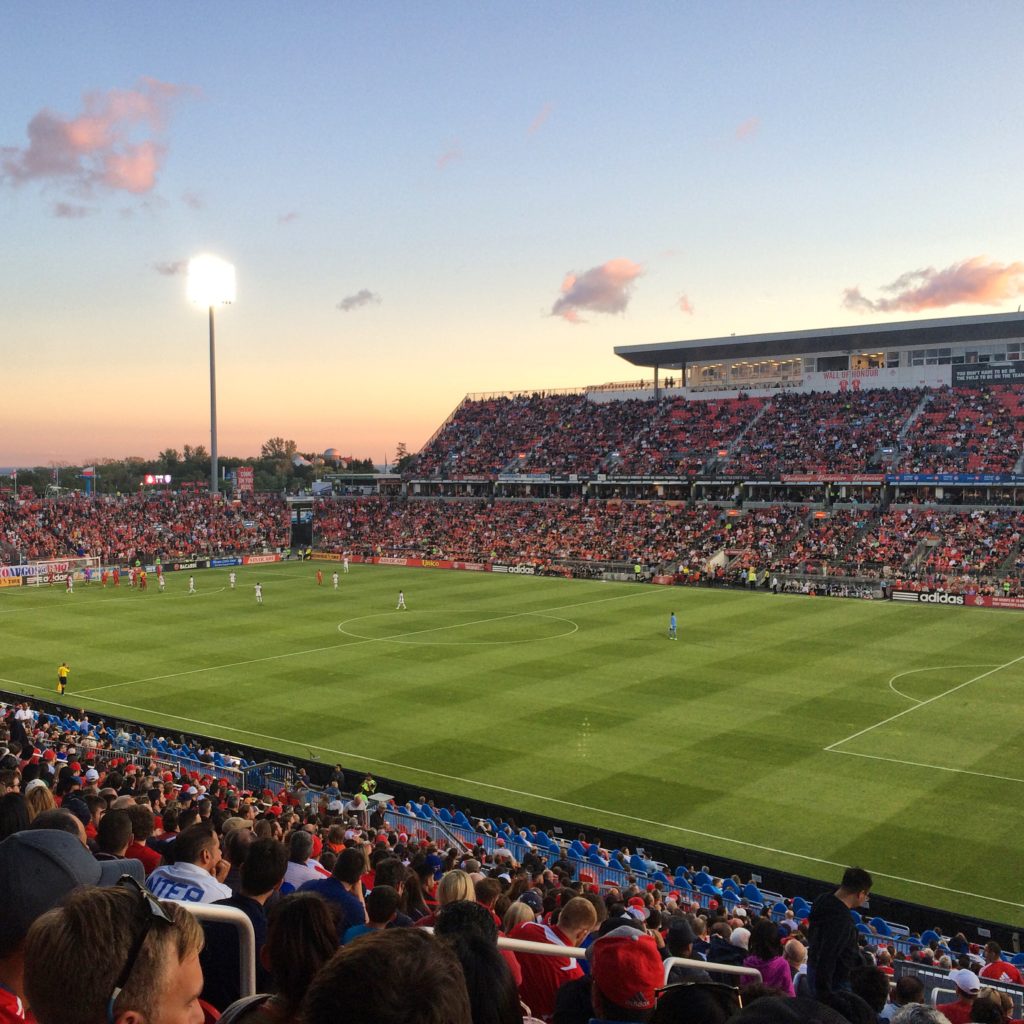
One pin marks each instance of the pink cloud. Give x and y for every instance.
(685, 305)
(539, 121)
(450, 155)
(603, 289)
(974, 281)
(748, 128)
(113, 143)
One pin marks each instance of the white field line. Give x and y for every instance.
(924, 703)
(935, 767)
(555, 800)
(351, 643)
(927, 668)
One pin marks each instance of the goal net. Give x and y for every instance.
(57, 570)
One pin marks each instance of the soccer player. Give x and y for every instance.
(344, 564)
(672, 626)
(334, 580)
(103, 578)
(69, 582)
(319, 578)
(232, 579)
(401, 602)
(161, 582)
(191, 584)
(117, 576)
(88, 575)
(259, 593)
(142, 579)
(62, 677)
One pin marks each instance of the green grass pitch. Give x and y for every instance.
(806, 734)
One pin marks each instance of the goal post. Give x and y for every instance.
(56, 570)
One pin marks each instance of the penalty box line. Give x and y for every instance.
(349, 643)
(832, 747)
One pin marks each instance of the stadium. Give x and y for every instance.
(835, 518)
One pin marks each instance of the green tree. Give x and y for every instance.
(278, 448)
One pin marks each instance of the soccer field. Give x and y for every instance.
(803, 734)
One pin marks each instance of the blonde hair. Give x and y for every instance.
(517, 913)
(455, 885)
(37, 800)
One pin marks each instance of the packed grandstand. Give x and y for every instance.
(872, 492)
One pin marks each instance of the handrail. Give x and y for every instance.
(246, 939)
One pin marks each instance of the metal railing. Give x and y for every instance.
(246, 939)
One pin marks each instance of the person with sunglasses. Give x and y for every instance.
(146, 964)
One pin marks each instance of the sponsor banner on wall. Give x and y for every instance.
(833, 478)
(10, 581)
(978, 601)
(519, 570)
(218, 563)
(328, 556)
(929, 597)
(192, 563)
(244, 479)
(471, 566)
(259, 559)
(665, 581)
(954, 478)
(8, 571)
(988, 374)
(392, 561)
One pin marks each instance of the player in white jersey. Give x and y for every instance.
(401, 602)
(232, 579)
(69, 583)
(191, 584)
(334, 580)
(161, 582)
(344, 564)
(259, 593)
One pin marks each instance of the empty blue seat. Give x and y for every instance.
(637, 863)
(702, 878)
(683, 883)
(445, 815)
(929, 936)
(881, 926)
(660, 876)
(752, 893)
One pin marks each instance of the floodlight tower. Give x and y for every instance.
(211, 282)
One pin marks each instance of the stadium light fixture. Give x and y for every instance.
(211, 282)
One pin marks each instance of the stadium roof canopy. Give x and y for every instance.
(866, 337)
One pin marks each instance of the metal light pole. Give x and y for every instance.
(211, 282)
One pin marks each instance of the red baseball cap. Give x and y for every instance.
(627, 968)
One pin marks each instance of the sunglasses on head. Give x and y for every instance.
(150, 911)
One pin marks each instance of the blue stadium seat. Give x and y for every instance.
(752, 894)
(779, 912)
(881, 926)
(445, 815)
(702, 878)
(929, 936)
(682, 883)
(660, 876)
(637, 863)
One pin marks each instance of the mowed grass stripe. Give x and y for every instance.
(721, 733)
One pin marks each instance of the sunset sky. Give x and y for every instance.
(429, 199)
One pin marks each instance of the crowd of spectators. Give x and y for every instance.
(966, 430)
(823, 432)
(341, 902)
(123, 528)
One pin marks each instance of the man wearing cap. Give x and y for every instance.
(543, 975)
(38, 868)
(967, 985)
(626, 970)
(679, 941)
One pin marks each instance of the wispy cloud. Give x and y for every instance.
(452, 154)
(363, 297)
(603, 289)
(974, 281)
(685, 305)
(170, 268)
(748, 128)
(71, 211)
(115, 142)
(193, 200)
(541, 119)
(287, 218)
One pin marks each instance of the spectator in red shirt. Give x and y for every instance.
(998, 969)
(544, 975)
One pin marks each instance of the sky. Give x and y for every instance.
(425, 200)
